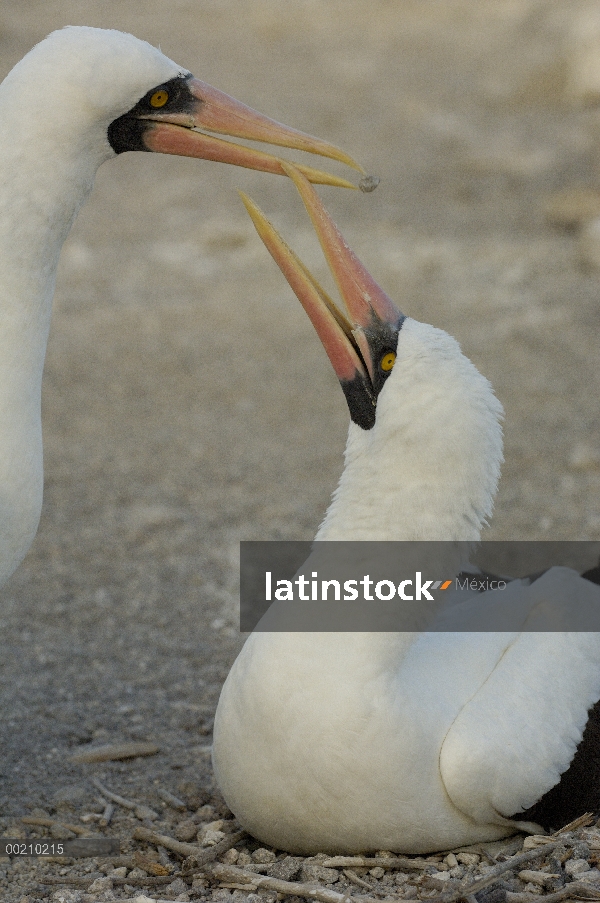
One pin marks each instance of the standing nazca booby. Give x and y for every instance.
(77, 99)
(415, 741)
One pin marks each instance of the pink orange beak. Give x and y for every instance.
(361, 344)
(174, 132)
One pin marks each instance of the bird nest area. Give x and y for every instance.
(167, 847)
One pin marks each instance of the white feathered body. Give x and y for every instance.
(412, 742)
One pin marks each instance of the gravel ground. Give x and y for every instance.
(187, 402)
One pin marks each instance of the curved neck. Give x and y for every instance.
(41, 192)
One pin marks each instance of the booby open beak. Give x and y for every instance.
(361, 344)
(167, 118)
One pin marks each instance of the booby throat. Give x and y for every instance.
(416, 741)
(80, 97)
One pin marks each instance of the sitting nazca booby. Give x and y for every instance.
(77, 99)
(412, 742)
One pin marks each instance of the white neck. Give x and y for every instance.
(43, 187)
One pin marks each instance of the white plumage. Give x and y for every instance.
(79, 97)
(412, 484)
(412, 742)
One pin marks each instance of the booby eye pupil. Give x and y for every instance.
(159, 98)
(387, 361)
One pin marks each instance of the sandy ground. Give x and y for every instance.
(187, 402)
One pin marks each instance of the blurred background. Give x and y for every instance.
(188, 403)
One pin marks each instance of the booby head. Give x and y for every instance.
(425, 442)
(111, 92)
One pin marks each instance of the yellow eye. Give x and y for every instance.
(159, 98)
(387, 361)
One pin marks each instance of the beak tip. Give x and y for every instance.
(368, 183)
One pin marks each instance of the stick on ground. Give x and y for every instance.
(288, 888)
(494, 873)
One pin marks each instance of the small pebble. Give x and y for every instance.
(59, 896)
(580, 850)
(213, 825)
(186, 830)
(231, 856)
(285, 869)
(369, 183)
(312, 871)
(136, 873)
(576, 866)
(210, 837)
(593, 876)
(222, 895)
(100, 885)
(204, 813)
(120, 872)
(468, 859)
(451, 861)
(377, 872)
(176, 887)
(263, 856)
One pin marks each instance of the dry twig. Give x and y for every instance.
(139, 811)
(114, 752)
(583, 821)
(577, 889)
(514, 862)
(85, 882)
(150, 866)
(173, 801)
(288, 888)
(109, 811)
(52, 822)
(163, 840)
(198, 855)
(209, 854)
(353, 877)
